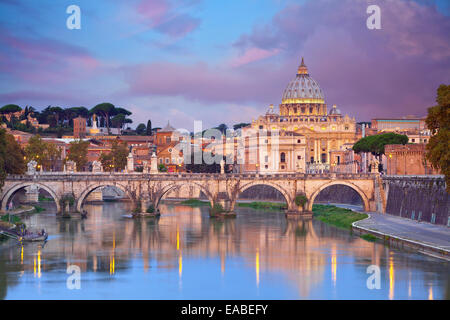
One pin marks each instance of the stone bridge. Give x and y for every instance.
(144, 189)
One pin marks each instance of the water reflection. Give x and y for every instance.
(290, 259)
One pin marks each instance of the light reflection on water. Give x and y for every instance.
(187, 255)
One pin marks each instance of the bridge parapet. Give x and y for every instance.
(171, 176)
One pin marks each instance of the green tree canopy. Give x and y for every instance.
(222, 128)
(438, 121)
(149, 128)
(106, 110)
(115, 160)
(78, 153)
(240, 125)
(11, 156)
(140, 129)
(44, 153)
(376, 143)
(9, 108)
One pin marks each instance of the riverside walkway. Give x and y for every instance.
(425, 237)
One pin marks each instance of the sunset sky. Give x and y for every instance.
(222, 61)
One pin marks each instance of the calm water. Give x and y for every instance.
(187, 255)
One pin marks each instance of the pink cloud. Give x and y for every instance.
(252, 55)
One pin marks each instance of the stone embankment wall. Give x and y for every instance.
(420, 198)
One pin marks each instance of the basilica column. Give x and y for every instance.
(315, 150)
(328, 151)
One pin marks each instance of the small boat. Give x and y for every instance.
(34, 237)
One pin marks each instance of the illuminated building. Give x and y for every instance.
(307, 131)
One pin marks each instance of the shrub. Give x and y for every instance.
(150, 209)
(217, 208)
(301, 200)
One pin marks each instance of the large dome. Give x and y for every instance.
(303, 88)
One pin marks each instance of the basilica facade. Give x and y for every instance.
(302, 135)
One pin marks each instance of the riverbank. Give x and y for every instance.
(426, 238)
(338, 217)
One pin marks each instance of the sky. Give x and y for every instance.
(223, 61)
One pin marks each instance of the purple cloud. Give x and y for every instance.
(44, 60)
(389, 72)
(368, 73)
(164, 17)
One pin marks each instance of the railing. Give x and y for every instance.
(197, 176)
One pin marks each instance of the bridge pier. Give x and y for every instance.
(297, 211)
(223, 206)
(146, 208)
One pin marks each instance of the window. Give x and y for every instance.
(413, 140)
(282, 167)
(260, 127)
(267, 167)
(282, 157)
(160, 160)
(299, 141)
(266, 159)
(167, 160)
(299, 157)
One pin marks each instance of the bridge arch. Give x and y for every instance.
(95, 186)
(277, 187)
(361, 193)
(8, 194)
(166, 189)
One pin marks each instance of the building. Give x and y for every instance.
(167, 153)
(303, 116)
(413, 127)
(408, 159)
(79, 127)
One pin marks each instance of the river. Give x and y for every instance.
(185, 254)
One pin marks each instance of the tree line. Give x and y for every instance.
(60, 120)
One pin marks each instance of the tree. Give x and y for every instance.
(45, 154)
(140, 129)
(78, 153)
(118, 120)
(115, 160)
(438, 122)
(376, 143)
(35, 150)
(106, 110)
(222, 128)
(149, 128)
(53, 155)
(11, 156)
(240, 125)
(58, 113)
(162, 167)
(107, 161)
(10, 108)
